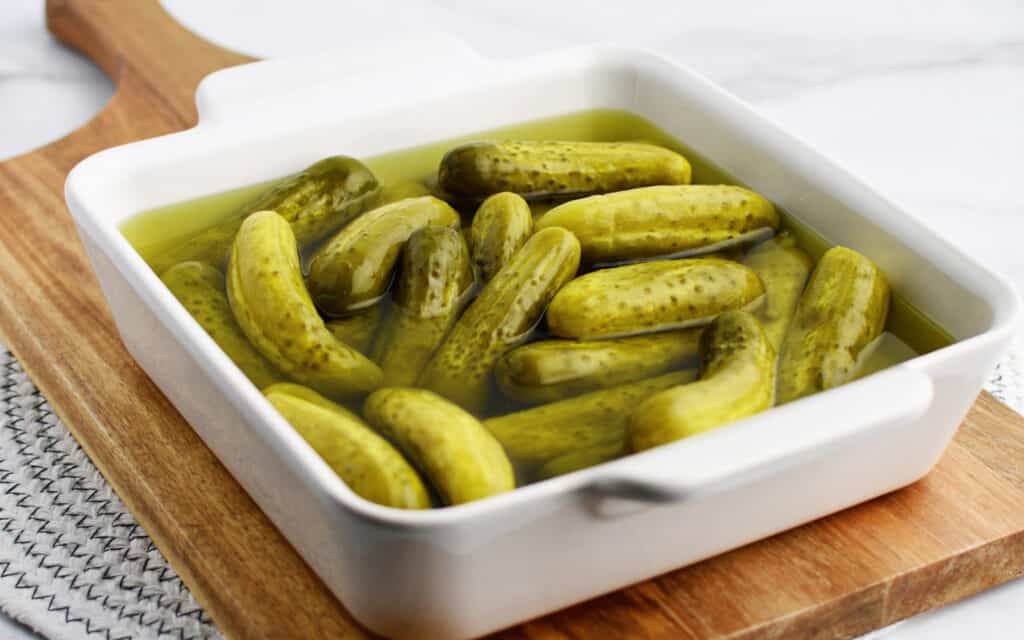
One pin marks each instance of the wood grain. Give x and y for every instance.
(950, 535)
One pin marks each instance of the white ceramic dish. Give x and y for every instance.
(475, 568)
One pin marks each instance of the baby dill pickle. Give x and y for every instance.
(652, 296)
(663, 221)
(366, 462)
(783, 268)
(461, 458)
(507, 308)
(737, 379)
(353, 269)
(537, 169)
(581, 459)
(552, 370)
(887, 350)
(501, 225)
(315, 202)
(400, 191)
(200, 289)
(275, 312)
(842, 310)
(595, 420)
(433, 280)
(357, 331)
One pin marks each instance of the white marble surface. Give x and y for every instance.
(924, 100)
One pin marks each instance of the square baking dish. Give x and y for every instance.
(464, 571)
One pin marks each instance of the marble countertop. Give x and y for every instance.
(923, 100)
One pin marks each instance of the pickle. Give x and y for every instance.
(357, 331)
(353, 269)
(576, 460)
(366, 462)
(663, 221)
(552, 370)
(322, 198)
(504, 313)
(737, 379)
(432, 284)
(200, 289)
(842, 310)
(652, 296)
(783, 268)
(537, 169)
(887, 350)
(400, 191)
(501, 225)
(275, 312)
(462, 459)
(595, 420)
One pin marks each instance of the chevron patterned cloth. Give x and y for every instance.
(75, 564)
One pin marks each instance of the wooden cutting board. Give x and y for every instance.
(958, 531)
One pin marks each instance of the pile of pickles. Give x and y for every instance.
(440, 344)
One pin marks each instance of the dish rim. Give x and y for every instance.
(308, 467)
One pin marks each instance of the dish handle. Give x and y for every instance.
(236, 90)
(758, 445)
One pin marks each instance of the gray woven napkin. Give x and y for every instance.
(73, 562)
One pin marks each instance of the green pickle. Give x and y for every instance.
(460, 457)
(594, 421)
(885, 351)
(551, 370)
(652, 296)
(842, 311)
(581, 459)
(353, 269)
(434, 278)
(400, 191)
(737, 379)
(501, 225)
(783, 268)
(200, 289)
(315, 202)
(366, 462)
(358, 330)
(502, 316)
(539, 169)
(274, 310)
(663, 221)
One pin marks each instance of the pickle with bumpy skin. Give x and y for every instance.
(663, 221)
(200, 289)
(501, 225)
(366, 462)
(400, 191)
(535, 436)
(357, 331)
(537, 169)
(652, 296)
(581, 459)
(460, 457)
(783, 268)
(315, 202)
(842, 310)
(353, 269)
(552, 370)
(737, 379)
(502, 315)
(433, 280)
(274, 310)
